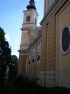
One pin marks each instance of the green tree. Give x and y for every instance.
(13, 67)
(5, 53)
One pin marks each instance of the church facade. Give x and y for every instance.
(45, 51)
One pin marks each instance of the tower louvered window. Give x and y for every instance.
(28, 18)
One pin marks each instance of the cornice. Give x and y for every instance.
(48, 12)
(56, 6)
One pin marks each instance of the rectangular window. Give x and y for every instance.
(28, 18)
(33, 55)
(38, 52)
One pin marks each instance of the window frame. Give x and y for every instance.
(33, 59)
(38, 51)
(28, 18)
(38, 58)
(64, 52)
(29, 62)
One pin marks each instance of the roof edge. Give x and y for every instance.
(48, 12)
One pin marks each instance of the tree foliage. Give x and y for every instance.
(8, 62)
(5, 50)
(5, 53)
(13, 67)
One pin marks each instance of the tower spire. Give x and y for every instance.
(31, 5)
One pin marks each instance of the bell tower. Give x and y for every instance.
(29, 22)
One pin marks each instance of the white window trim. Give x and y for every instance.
(61, 40)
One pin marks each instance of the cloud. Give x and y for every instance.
(7, 37)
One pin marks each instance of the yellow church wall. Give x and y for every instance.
(51, 52)
(43, 56)
(29, 55)
(48, 66)
(48, 52)
(63, 60)
(31, 66)
(33, 69)
(38, 62)
(22, 64)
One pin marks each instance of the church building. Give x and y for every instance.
(45, 50)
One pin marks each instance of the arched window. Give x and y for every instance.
(33, 60)
(28, 18)
(65, 40)
(38, 57)
(29, 62)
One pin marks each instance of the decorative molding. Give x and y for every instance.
(24, 50)
(48, 12)
(56, 6)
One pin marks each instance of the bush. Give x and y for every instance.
(23, 85)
